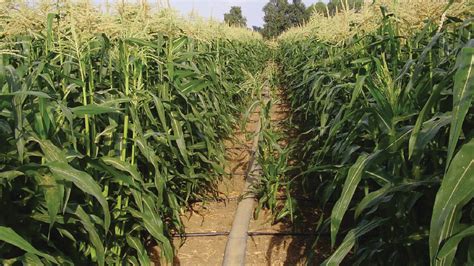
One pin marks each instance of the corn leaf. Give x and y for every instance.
(178, 134)
(451, 244)
(350, 240)
(92, 109)
(51, 152)
(456, 187)
(9, 175)
(92, 232)
(136, 244)
(53, 195)
(11, 237)
(463, 92)
(193, 86)
(370, 198)
(63, 171)
(412, 146)
(154, 225)
(353, 178)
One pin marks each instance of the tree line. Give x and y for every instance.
(280, 15)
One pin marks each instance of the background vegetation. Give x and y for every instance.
(235, 17)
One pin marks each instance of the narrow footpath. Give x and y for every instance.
(208, 224)
(274, 244)
(217, 216)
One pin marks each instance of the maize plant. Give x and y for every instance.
(386, 128)
(272, 155)
(109, 126)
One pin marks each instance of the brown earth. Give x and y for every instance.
(218, 216)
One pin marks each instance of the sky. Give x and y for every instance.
(251, 9)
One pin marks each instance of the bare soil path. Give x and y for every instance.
(217, 217)
(279, 248)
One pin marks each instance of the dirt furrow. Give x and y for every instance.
(217, 216)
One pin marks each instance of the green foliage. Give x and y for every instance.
(105, 139)
(235, 17)
(319, 7)
(380, 116)
(9, 236)
(281, 15)
(454, 193)
(273, 158)
(334, 6)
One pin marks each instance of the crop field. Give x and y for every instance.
(114, 122)
(386, 123)
(107, 135)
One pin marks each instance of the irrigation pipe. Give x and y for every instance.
(237, 242)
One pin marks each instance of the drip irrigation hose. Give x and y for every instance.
(236, 246)
(257, 233)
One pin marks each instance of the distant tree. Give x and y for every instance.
(235, 17)
(275, 20)
(257, 29)
(296, 13)
(280, 15)
(338, 5)
(319, 7)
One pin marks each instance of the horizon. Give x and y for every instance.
(252, 10)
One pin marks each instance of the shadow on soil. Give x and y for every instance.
(307, 248)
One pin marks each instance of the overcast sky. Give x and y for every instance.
(251, 9)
